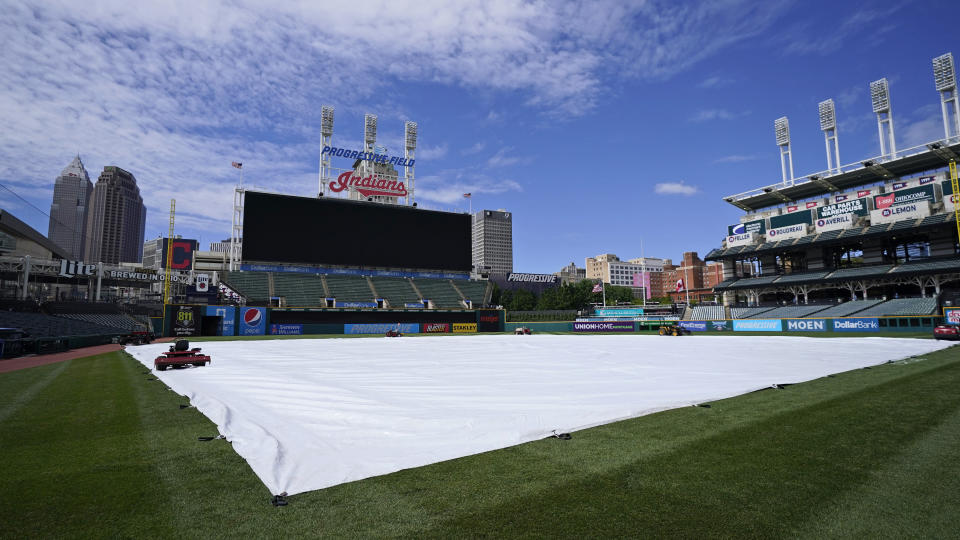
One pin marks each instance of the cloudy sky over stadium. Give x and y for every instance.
(598, 124)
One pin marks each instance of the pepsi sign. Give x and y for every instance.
(253, 321)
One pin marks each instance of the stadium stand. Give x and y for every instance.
(748, 312)
(252, 285)
(858, 272)
(41, 325)
(475, 291)
(116, 321)
(440, 292)
(349, 288)
(396, 291)
(299, 289)
(792, 312)
(847, 308)
(707, 313)
(901, 306)
(798, 277)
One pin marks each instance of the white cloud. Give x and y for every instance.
(448, 186)
(675, 188)
(175, 91)
(922, 126)
(715, 82)
(501, 159)
(432, 152)
(707, 115)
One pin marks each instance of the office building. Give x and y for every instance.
(117, 218)
(493, 242)
(68, 211)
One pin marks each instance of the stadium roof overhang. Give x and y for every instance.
(928, 157)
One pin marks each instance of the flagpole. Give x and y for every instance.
(603, 289)
(686, 286)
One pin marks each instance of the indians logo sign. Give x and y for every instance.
(369, 186)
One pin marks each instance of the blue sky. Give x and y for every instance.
(598, 124)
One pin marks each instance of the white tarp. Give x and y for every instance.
(309, 414)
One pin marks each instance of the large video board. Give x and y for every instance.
(284, 228)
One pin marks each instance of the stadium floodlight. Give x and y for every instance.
(370, 128)
(326, 120)
(828, 117)
(410, 134)
(782, 128)
(943, 73)
(880, 95)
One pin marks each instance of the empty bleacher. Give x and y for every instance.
(472, 290)
(299, 289)
(254, 286)
(349, 288)
(707, 313)
(901, 306)
(748, 312)
(396, 291)
(41, 325)
(440, 291)
(792, 312)
(847, 308)
(116, 321)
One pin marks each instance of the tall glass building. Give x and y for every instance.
(117, 219)
(68, 212)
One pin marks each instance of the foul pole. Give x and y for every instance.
(955, 195)
(168, 264)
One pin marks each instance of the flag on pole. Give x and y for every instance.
(598, 287)
(680, 286)
(467, 195)
(237, 164)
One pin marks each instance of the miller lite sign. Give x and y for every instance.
(202, 282)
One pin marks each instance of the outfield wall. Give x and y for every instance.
(838, 325)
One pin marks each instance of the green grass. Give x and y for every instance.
(93, 448)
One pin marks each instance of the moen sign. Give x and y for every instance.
(369, 186)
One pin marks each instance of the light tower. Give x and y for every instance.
(409, 146)
(782, 128)
(369, 141)
(945, 79)
(326, 135)
(880, 96)
(828, 124)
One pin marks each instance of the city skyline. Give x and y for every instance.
(593, 125)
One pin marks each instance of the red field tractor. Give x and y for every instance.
(180, 355)
(522, 331)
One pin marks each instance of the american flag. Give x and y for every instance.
(467, 195)
(237, 164)
(598, 287)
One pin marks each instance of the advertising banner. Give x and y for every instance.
(435, 328)
(791, 218)
(532, 278)
(464, 328)
(381, 328)
(784, 233)
(286, 329)
(694, 326)
(246, 267)
(757, 325)
(951, 315)
(227, 315)
(807, 325)
(186, 321)
(745, 239)
(757, 226)
(618, 312)
(489, 321)
(719, 326)
(905, 196)
(871, 324)
(202, 282)
(253, 321)
(854, 206)
(844, 221)
(612, 326)
(357, 304)
(900, 212)
(413, 305)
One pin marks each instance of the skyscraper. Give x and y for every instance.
(68, 212)
(493, 242)
(117, 218)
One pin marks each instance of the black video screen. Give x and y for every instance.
(288, 229)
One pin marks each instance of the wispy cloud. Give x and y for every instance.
(736, 158)
(448, 186)
(715, 82)
(803, 38)
(707, 115)
(675, 188)
(475, 149)
(503, 159)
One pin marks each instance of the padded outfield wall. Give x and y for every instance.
(838, 325)
(187, 320)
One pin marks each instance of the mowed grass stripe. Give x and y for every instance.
(74, 464)
(785, 462)
(29, 383)
(763, 479)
